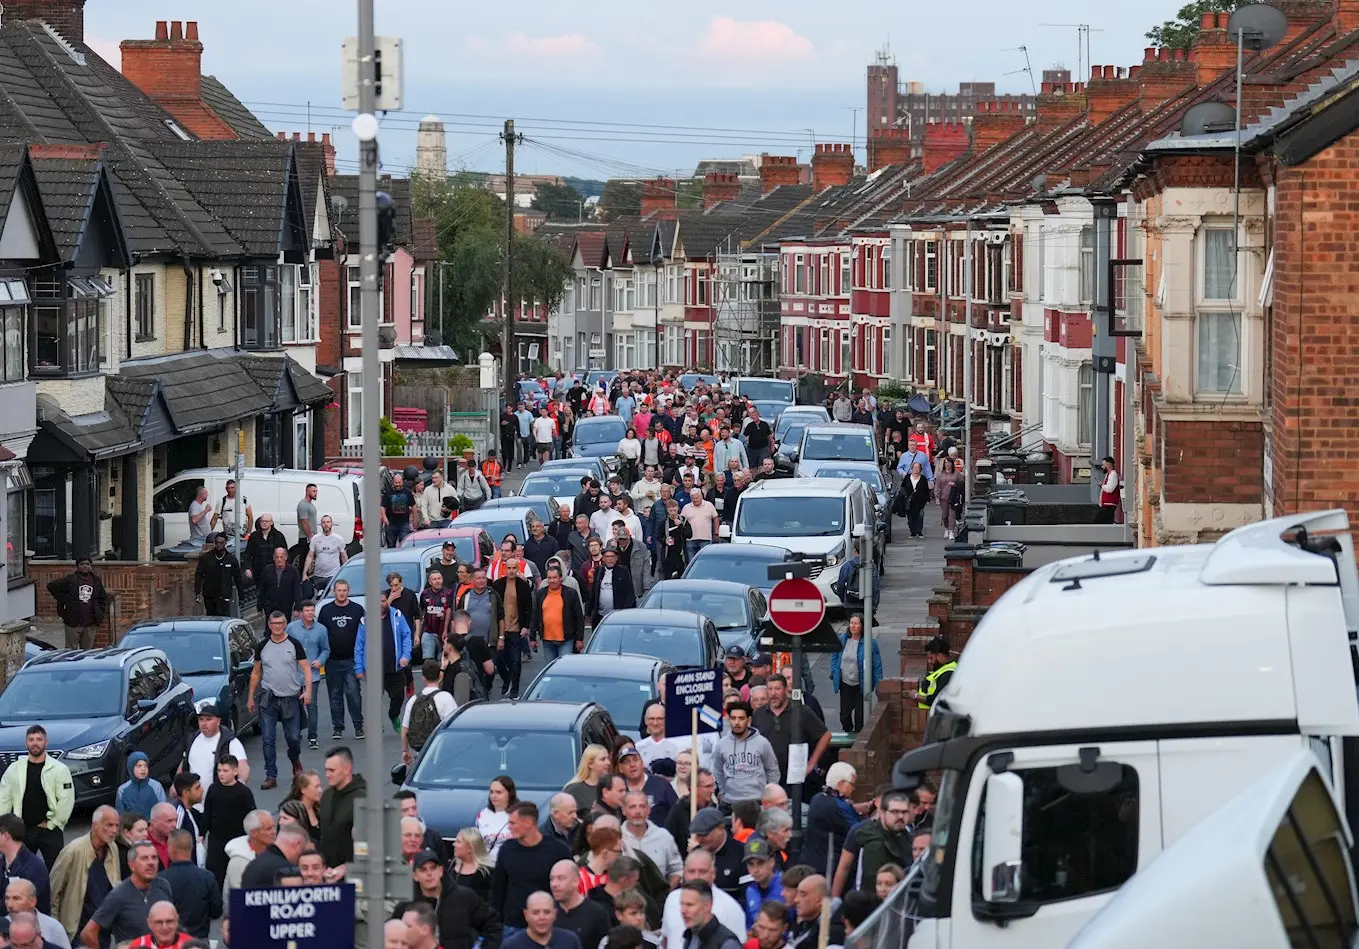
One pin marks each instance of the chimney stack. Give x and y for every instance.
(658, 194)
(995, 121)
(832, 166)
(944, 142)
(1059, 103)
(1110, 89)
(719, 187)
(67, 17)
(1214, 51)
(888, 147)
(776, 170)
(167, 68)
(1164, 75)
(329, 150)
(1346, 17)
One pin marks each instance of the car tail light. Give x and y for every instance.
(358, 528)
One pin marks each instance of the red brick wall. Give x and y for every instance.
(137, 591)
(1213, 462)
(1313, 365)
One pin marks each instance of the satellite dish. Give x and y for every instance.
(1208, 117)
(1040, 183)
(1259, 25)
(339, 202)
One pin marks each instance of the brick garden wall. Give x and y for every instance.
(137, 591)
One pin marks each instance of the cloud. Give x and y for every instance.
(568, 44)
(753, 39)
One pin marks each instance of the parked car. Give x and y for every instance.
(762, 388)
(786, 449)
(410, 562)
(539, 743)
(872, 477)
(598, 377)
(691, 379)
(738, 611)
(547, 507)
(597, 436)
(531, 393)
(267, 491)
(34, 646)
(560, 483)
(833, 444)
(499, 521)
(471, 544)
(800, 414)
(687, 639)
(741, 563)
(99, 706)
(622, 684)
(595, 467)
(214, 655)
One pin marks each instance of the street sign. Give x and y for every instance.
(690, 690)
(796, 606)
(305, 917)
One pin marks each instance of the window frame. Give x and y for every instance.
(1203, 319)
(1085, 403)
(144, 306)
(1234, 290)
(13, 316)
(77, 328)
(354, 401)
(1085, 249)
(931, 266)
(353, 276)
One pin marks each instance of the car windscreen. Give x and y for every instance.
(623, 698)
(191, 653)
(412, 576)
(63, 691)
(690, 380)
(712, 563)
(726, 610)
(774, 390)
(838, 446)
(498, 528)
(463, 547)
(559, 484)
(869, 476)
(792, 435)
(605, 431)
(785, 516)
(769, 411)
(678, 645)
(470, 758)
(787, 419)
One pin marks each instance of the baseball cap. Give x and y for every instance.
(762, 659)
(735, 652)
(707, 820)
(424, 857)
(757, 848)
(208, 707)
(448, 544)
(628, 752)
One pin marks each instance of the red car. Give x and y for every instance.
(471, 544)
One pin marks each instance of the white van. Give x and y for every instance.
(816, 517)
(274, 491)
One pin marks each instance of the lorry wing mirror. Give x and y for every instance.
(1004, 833)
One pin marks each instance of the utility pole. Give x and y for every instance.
(370, 301)
(967, 366)
(508, 309)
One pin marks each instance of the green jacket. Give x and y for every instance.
(879, 846)
(56, 785)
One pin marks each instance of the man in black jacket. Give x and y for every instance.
(217, 573)
(564, 629)
(280, 588)
(285, 851)
(197, 895)
(82, 604)
(463, 917)
(612, 589)
(516, 604)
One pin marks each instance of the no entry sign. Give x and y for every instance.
(796, 606)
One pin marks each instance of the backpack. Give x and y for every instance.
(424, 719)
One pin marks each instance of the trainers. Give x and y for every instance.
(268, 784)
(312, 744)
(337, 734)
(358, 731)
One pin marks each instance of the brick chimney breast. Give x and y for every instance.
(167, 68)
(658, 194)
(67, 17)
(890, 146)
(832, 166)
(776, 170)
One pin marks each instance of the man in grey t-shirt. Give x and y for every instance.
(483, 604)
(281, 684)
(306, 513)
(326, 556)
(200, 514)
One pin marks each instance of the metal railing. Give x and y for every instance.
(891, 924)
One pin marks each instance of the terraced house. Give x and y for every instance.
(158, 248)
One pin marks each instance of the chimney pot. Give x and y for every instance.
(1222, 20)
(191, 30)
(1163, 55)
(1149, 54)
(281, 136)
(311, 136)
(1134, 72)
(176, 31)
(162, 30)
(1209, 21)
(297, 136)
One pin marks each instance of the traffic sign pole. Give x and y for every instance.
(796, 607)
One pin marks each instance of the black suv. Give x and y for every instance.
(99, 706)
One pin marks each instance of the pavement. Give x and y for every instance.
(914, 568)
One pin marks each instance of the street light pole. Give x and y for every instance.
(370, 303)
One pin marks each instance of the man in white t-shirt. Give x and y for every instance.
(205, 748)
(654, 745)
(699, 866)
(543, 428)
(200, 515)
(444, 703)
(326, 556)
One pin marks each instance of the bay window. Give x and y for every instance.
(66, 325)
(1218, 321)
(262, 306)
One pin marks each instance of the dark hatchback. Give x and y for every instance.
(741, 563)
(686, 639)
(99, 706)
(622, 684)
(214, 655)
(739, 611)
(538, 743)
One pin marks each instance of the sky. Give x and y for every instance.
(605, 88)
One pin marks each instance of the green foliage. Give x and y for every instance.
(1180, 32)
(559, 202)
(460, 443)
(894, 389)
(470, 223)
(619, 198)
(393, 442)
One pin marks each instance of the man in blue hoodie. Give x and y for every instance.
(396, 656)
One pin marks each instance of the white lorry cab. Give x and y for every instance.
(1107, 705)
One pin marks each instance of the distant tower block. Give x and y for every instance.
(431, 148)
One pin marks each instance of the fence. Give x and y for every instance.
(891, 924)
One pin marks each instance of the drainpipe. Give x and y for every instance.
(202, 328)
(236, 306)
(127, 313)
(188, 301)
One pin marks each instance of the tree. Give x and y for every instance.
(559, 202)
(620, 198)
(1181, 32)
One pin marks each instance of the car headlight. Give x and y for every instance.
(88, 752)
(835, 556)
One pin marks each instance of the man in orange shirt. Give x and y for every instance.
(922, 440)
(744, 816)
(558, 616)
(490, 469)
